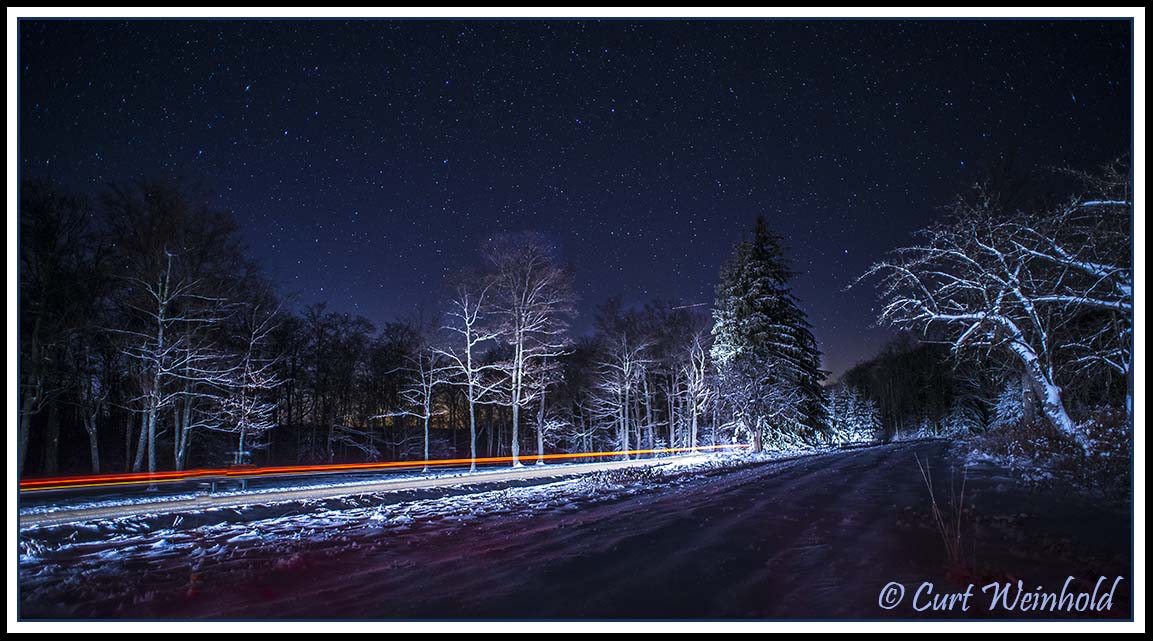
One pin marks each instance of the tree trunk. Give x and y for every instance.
(1028, 400)
(185, 437)
(693, 425)
(649, 437)
(239, 446)
(1129, 390)
(427, 409)
(52, 439)
(625, 424)
(472, 427)
(93, 441)
(517, 381)
(515, 433)
(1048, 393)
(141, 443)
(328, 446)
(33, 394)
(491, 435)
(540, 429)
(152, 411)
(128, 443)
(177, 434)
(22, 436)
(637, 424)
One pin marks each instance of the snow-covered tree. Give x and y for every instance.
(963, 418)
(1014, 282)
(1083, 251)
(1009, 407)
(852, 417)
(763, 348)
(532, 301)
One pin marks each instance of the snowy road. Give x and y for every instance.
(812, 537)
(205, 501)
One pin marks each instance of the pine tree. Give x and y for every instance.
(764, 348)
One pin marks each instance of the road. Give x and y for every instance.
(811, 538)
(205, 501)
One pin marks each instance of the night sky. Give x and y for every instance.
(365, 160)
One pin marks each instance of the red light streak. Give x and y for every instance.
(140, 478)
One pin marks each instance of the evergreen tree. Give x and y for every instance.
(764, 349)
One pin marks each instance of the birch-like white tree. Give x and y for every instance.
(698, 393)
(469, 326)
(178, 264)
(532, 302)
(248, 403)
(427, 369)
(624, 358)
(172, 358)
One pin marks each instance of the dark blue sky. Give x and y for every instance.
(364, 160)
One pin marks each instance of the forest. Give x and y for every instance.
(150, 341)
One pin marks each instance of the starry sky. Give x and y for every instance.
(366, 160)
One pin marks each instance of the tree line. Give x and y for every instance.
(150, 341)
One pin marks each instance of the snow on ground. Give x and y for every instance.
(1027, 469)
(716, 537)
(127, 561)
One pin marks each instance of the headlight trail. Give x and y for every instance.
(140, 478)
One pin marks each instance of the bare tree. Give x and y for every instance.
(55, 295)
(624, 358)
(546, 374)
(172, 358)
(1086, 245)
(467, 322)
(1016, 282)
(532, 298)
(698, 393)
(178, 264)
(91, 398)
(427, 370)
(248, 405)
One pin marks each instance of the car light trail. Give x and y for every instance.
(140, 478)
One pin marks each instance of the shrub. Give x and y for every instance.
(1105, 468)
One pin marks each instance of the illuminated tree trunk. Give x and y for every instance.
(540, 429)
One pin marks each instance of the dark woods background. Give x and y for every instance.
(149, 340)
